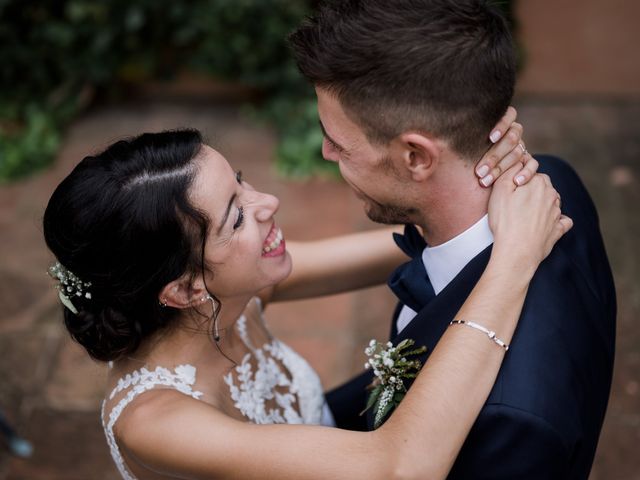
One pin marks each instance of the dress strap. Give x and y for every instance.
(241, 323)
(241, 328)
(182, 379)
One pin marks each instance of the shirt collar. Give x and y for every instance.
(445, 261)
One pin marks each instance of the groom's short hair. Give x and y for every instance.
(446, 67)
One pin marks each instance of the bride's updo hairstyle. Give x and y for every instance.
(122, 221)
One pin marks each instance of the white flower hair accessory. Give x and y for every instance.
(70, 286)
(390, 366)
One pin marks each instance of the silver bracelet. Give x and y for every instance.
(490, 333)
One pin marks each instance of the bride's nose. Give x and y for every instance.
(266, 206)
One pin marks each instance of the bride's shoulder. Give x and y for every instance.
(170, 431)
(147, 409)
(161, 425)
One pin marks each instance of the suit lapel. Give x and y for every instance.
(394, 322)
(431, 322)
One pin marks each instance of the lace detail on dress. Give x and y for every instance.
(275, 385)
(297, 398)
(139, 382)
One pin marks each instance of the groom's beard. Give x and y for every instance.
(389, 214)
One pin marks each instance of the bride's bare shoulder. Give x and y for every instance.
(154, 410)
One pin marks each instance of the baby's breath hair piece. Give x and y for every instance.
(70, 286)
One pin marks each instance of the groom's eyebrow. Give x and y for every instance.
(324, 132)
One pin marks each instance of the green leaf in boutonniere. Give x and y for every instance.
(391, 366)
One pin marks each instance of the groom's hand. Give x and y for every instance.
(507, 151)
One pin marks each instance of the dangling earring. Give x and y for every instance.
(216, 334)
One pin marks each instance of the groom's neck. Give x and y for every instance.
(457, 202)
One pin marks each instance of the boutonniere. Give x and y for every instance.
(390, 366)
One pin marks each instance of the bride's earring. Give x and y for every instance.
(216, 334)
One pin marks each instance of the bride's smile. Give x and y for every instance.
(245, 249)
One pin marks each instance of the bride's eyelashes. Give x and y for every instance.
(240, 219)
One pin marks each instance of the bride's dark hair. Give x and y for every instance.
(122, 220)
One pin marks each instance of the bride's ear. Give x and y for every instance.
(183, 293)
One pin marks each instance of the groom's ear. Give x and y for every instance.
(419, 153)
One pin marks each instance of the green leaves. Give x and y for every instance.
(55, 49)
(58, 49)
(390, 365)
(373, 398)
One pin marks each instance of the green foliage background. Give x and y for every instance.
(58, 54)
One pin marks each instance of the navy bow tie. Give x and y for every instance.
(409, 281)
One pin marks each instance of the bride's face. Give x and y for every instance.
(244, 248)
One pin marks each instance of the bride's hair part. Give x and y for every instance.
(122, 220)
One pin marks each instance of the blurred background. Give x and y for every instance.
(76, 75)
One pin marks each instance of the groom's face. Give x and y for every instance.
(368, 169)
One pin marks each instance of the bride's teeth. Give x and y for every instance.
(275, 244)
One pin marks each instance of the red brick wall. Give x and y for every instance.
(580, 46)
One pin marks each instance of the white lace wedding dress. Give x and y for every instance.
(272, 384)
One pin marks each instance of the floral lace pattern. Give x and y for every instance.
(295, 399)
(138, 382)
(275, 385)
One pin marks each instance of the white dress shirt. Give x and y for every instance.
(445, 261)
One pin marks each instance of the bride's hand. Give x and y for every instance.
(526, 221)
(508, 150)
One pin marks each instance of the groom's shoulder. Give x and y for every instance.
(568, 183)
(555, 166)
(553, 162)
(563, 349)
(581, 251)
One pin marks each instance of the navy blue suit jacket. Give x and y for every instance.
(544, 414)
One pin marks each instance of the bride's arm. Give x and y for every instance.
(176, 435)
(339, 264)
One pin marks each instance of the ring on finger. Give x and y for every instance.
(524, 150)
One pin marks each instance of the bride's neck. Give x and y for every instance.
(191, 339)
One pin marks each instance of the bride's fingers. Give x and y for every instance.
(529, 169)
(566, 223)
(558, 201)
(503, 125)
(507, 178)
(563, 225)
(501, 156)
(493, 156)
(547, 180)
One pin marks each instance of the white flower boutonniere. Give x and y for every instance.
(390, 366)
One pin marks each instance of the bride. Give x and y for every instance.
(166, 258)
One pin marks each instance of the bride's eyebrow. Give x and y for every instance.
(226, 214)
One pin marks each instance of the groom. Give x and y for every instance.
(407, 93)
